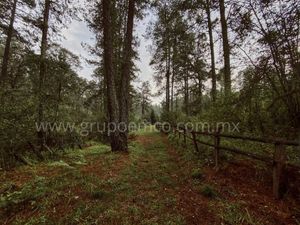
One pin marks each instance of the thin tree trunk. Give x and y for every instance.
(200, 92)
(168, 75)
(143, 107)
(226, 50)
(186, 94)
(212, 52)
(112, 103)
(125, 75)
(172, 88)
(173, 73)
(168, 89)
(168, 62)
(58, 101)
(6, 55)
(44, 46)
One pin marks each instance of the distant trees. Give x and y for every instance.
(260, 51)
(66, 100)
(42, 68)
(145, 93)
(259, 45)
(208, 6)
(275, 28)
(51, 16)
(163, 43)
(37, 86)
(10, 30)
(226, 49)
(153, 117)
(9, 15)
(176, 52)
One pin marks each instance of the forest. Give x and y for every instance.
(190, 113)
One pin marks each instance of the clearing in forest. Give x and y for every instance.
(153, 184)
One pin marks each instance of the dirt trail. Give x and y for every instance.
(153, 184)
(193, 207)
(244, 192)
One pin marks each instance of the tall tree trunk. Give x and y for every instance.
(200, 92)
(226, 50)
(125, 76)
(58, 100)
(168, 89)
(186, 94)
(6, 55)
(112, 103)
(172, 88)
(168, 60)
(42, 75)
(212, 52)
(143, 107)
(168, 76)
(174, 55)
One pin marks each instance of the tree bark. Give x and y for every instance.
(168, 89)
(200, 93)
(6, 55)
(143, 106)
(172, 88)
(42, 75)
(212, 52)
(226, 50)
(186, 94)
(112, 103)
(174, 55)
(168, 62)
(125, 76)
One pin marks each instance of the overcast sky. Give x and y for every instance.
(78, 34)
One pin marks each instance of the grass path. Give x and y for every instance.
(153, 184)
(96, 186)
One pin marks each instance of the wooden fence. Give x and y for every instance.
(278, 162)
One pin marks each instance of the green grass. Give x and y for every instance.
(96, 186)
(197, 174)
(235, 214)
(208, 191)
(148, 130)
(133, 196)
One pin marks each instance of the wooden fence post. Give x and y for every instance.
(217, 149)
(279, 170)
(195, 141)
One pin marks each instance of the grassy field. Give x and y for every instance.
(157, 182)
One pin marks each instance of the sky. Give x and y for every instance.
(77, 34)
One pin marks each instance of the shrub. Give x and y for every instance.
(29, 193)
(208, 191)
(197, 174)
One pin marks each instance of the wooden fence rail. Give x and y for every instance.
(278, 162)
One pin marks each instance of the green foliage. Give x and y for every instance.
(234, 214)
(70, 102)
(197, 174)
(60, 164)
(153, 117)
(28, 194)
(208, 191)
